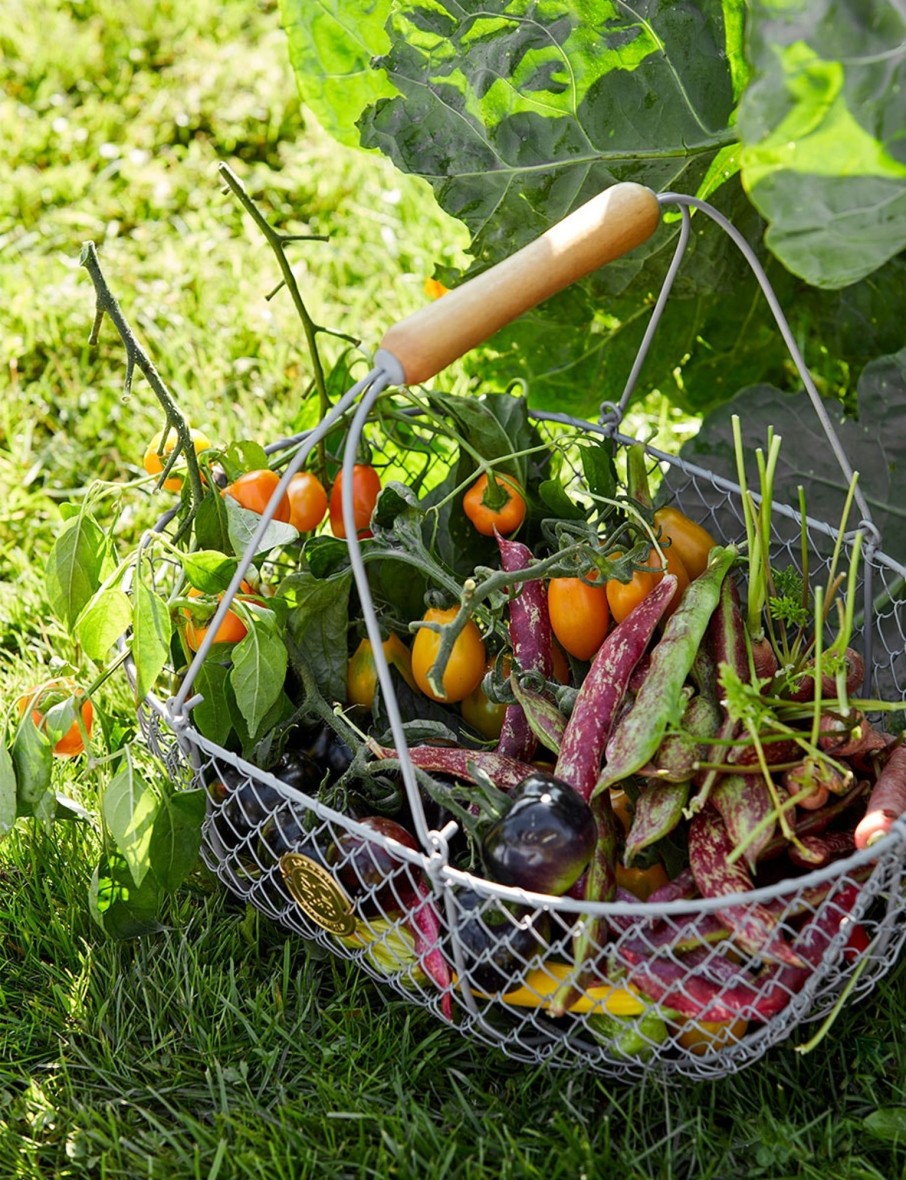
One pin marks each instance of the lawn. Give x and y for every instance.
(219, 1046)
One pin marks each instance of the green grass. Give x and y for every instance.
(220, 1046)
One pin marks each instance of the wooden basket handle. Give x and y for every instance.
(604, 228)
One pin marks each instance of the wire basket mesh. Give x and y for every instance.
(665, 990)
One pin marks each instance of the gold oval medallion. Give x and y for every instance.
(317, 893)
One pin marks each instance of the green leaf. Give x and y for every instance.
(598, 468)
(120, 907)
(209, 570)
(479, 426)
(317, 622)
(32, 757)
(326, 556)
(875, 445)
(331, 45)
(7, 787)
(104, 620)
(520, 113)
(242, 456)
(280, 711)
(152, 629)
(887, 1122)
(211, 530)
(213, 714)
(259, 669)
(242, 525)
(129, 807)
(556, 498)
(822, 121)
(176, 837)
(74, 567)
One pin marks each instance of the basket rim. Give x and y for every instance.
(442, 873)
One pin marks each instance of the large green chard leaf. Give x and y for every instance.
(824, 154)
(331, 44)
(520, 110)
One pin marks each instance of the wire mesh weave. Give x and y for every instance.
(670, 994)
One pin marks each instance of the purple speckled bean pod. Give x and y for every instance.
(658, 810)
(602, 690)
(753, 925)
(425, 926)
(661, 700)
(505, 773)
(545, 720)
(680, 888)
(744, 801)
(726, 638)
(708, 987)
(531, 639)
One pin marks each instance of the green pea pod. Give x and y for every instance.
(660, 701)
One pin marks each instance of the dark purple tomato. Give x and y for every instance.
(298, 769)
(242, 812)
(498, 941)
(545, 839)
(372, 876)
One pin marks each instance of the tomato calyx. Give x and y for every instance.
(495, 503)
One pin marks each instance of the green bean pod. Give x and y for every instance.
(660, 701)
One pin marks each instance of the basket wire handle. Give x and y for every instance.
(609, 225)
(688, 202)
(178, 703)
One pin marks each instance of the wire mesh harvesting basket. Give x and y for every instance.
(664, 989)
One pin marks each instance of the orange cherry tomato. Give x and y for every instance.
(478, 710)
(366, 487)
(361, 672)
(231, 630)
(580, 616)
(55, 692)
(158, 452)
(624, 597)
(499, 506)
(642, 882)
(254, 489)
(690, 541)
(467, 662)
(307, 501)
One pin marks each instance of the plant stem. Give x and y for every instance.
(137, 358)
(277, 241)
